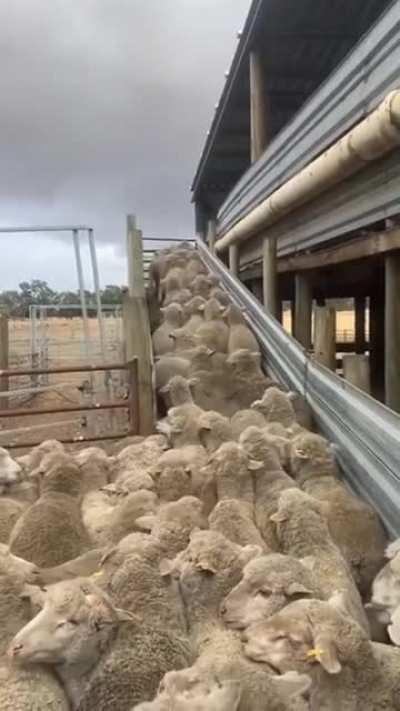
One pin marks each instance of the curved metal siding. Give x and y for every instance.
(350, 93)
(367, 434)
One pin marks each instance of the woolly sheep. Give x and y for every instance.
(125, 518)
(178, 472)
(269, 583)
(82, 567)
(233, 519)
(312, 456)
(347, 670)
(269, 481)
(162, 343)
(169, 365)
(105, 657)
(385, 595)
(51, 531)
(137, 458)
(33, 689)
(10, 471)
(15, 573)
(245, 418)
(177, 294)
(214, 430)
(276, 406)
(94, 467)
(240, 335)
(201, 286)
(33, 459)
(207, 570)
(10, 512)
(355, 528)
(233, 473)
(221, 296)
(213, 696)
(193, 313)
(182, 420)
(302, 531)
(248, 381)
(213, 333)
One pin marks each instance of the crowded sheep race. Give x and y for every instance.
(219, 564)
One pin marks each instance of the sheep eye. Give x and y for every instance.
(265, 593)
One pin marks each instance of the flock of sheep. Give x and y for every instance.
(218, 565)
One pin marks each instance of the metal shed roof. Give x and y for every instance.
(301, 42)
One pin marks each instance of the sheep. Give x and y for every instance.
(221, 296)
(15, 573)
(276, 406)
(302, 531)
(173, 315)
(213, 333)
(137, 458)
(212, 696)
(193, 268)
(86, 565)
(169, 365)
(33, 689)
(385, 596)
(105, 657)
(193, 311)
(177, 473)
(243, 419)
(248, 380)
(312, 456)
(240, 335)
(201, 359)
(10, 471)
(232, 518)
(347, 670)
(269, 481)
(10, 512)
(51, 531)
(269, 583)
(94, 466)
(214, 430)
(32, 460)
(201, 286)
(354, 527)
(97, 507)
(176, 294)
(207, 570)
(183, 341)
(232, 470)
(214, 391)
(125, 518)
(182, 420)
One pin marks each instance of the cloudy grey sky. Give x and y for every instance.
(105, 107)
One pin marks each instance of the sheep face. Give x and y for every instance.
(179, 390)
(261, 447)
(173, 314)
(10, 471)
(310, 448)
(386, 587)
(295, 640)
(172, 481)
(244, 362)
(269, 583)
(73, 627)
(214, 430)
(276, 406)
(213, 310)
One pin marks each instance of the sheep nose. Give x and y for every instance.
(15, 649)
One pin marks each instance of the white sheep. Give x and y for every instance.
(35, 689)
(276, 406)
(173, 316)
(10, 471)
(240, 335)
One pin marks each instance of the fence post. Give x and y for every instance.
(325, 336)
(356, 371)
(137, 328)
(4, 358)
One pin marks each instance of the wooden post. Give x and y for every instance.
(212, 235)
(234, 260)
(137, 328)
(356, 370)
(258, 107)
(359, 319)
(4, 359)
(377, 343)
(303, 310)
(325, 336)
(270, 276)
(257, 289)
(392, 331)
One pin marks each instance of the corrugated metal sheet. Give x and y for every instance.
(350, 93)
(367, 434)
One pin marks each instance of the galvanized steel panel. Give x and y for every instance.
(367, 433)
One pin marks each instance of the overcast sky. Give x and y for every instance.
(105, 107)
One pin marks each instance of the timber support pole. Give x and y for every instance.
(137, 329)
(4, 358)
(325, 337)
(359, 319)
(392, 331)
(270, 276)
(303, 310)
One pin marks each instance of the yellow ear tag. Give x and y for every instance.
(98, 574)
(314, 653)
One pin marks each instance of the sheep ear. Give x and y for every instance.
(167, 567)
(108, 554)
(34, 594)
(188, 471)
(296, 588)
(292, 395)
(126, 616)
(256, 404)
(394, 627)
(193, 382)
(193, 532)
(278, 517)
(201, 307)
(325, 653)
(254, 465)
(301, 454)
(392, 549)
(145, 523)
(210, 352)
(206, 567)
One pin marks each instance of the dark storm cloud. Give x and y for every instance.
(105, 107)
